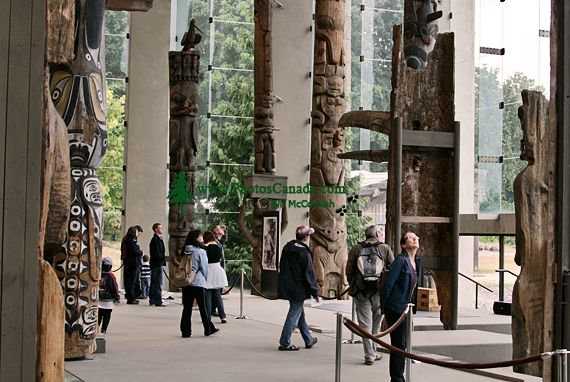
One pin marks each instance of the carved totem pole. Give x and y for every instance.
(183, 141)
(327, 140)
(423, 97)
(263, 128)
(77, 90)
(78, 93)
(535, 210)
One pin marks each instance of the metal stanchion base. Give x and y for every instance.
(241, 318)
(352, 342)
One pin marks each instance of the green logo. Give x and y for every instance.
(179, 193)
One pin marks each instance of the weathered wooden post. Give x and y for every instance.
(535, 211)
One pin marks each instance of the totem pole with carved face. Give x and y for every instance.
(327, 141)
(183, 141)
(78, 94)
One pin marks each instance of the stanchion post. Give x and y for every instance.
(562, 362)
(409, 329)
(241, 316)
(338, 346)
(353, 318)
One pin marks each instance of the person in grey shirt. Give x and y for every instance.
(367, 297)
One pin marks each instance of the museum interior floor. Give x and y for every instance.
(143, 343)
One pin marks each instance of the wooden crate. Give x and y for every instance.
(427, 300)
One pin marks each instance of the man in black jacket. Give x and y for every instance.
(157, 261)
(296, 283)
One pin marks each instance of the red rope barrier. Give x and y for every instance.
(353, 327)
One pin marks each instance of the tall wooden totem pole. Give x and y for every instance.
(183, 141)
(327, 140)
(73, 240)
(78, 93)
(535, 210)
(263, 128)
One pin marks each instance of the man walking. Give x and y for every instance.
(157, 261)
(364, 267)
(296, 283)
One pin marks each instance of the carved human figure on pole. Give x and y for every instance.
(327, 141)
(78, 94)
(183, 140)
(535, 211)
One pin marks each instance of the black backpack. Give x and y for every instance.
(371, 268)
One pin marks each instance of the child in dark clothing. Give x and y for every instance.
(108, 292)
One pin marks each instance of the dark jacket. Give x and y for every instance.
(395, 294)
(157, 252)
(297, 280)
(133, 253)
(109, 282)
(351, 264)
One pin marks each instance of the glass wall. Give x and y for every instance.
(111, 170)
(225, 144)
(512, 45)
(370, 87)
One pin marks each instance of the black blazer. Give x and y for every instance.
(157, 252)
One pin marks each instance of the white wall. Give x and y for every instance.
(292, 62)
(146, 152)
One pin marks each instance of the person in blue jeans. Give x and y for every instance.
(296, 283)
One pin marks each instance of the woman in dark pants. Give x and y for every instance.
(131, 262)
(194, 246)
(399, 290)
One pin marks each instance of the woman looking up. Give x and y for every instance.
(398, 291)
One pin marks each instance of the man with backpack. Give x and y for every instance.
(367, 264)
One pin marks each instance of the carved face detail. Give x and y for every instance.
(78, 90)
(263, 117)
(420, 31)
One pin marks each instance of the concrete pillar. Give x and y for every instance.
(146, 151)
(459, 17)
(293, 41)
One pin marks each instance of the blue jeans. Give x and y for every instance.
(214, 300)
(295, 318)
(155, 293)
(145, 286)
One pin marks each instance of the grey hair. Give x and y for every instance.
(371, 231)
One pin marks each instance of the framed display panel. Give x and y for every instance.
(270, 242)
(270, 252)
